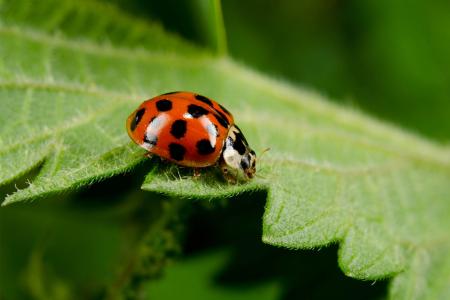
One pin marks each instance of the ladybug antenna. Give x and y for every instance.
(262, 153)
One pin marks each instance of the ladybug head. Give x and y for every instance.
(237, 154)
(248, 163)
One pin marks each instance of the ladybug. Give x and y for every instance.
(194, 131)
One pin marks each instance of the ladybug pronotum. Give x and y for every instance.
(194, 131)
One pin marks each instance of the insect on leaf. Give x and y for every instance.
(71, 73)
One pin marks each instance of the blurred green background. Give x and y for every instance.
(389, 58)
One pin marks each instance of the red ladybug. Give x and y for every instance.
(192, 130)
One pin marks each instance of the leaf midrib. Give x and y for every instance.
(89, 47)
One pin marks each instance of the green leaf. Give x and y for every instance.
(70, 73)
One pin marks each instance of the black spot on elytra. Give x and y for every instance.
(176, 151)
(137, 118)
(222, 121)
(164, 105)
(170, 93)
(223, 116)
(178, 128)
(196, 111)
(225, 110)
(204, 99)
(238, 145)
(204, 147)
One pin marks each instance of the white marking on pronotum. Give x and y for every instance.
(211, 129)
(230, 155)
(153, 130)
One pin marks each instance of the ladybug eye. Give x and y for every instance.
(244, 163)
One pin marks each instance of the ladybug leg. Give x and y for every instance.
(231, 178)
(228, 174)
(196, 173)
(235, 176)
(148, 154)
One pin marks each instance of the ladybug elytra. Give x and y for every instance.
(194, 131)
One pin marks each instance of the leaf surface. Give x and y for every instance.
(70, 73)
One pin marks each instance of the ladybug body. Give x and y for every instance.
(191, 130)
